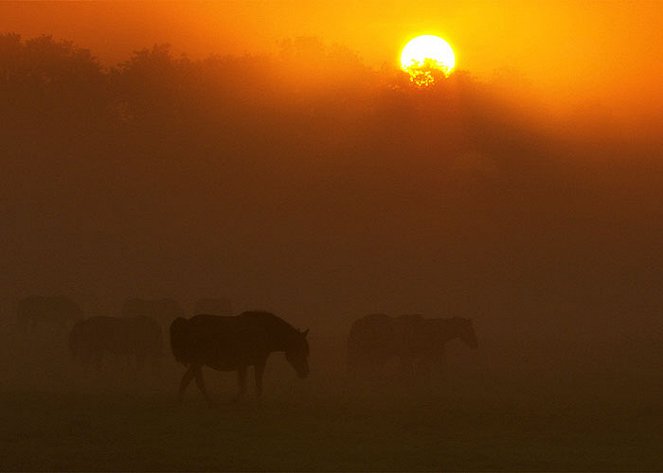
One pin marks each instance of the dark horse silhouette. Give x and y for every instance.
(132, 337)
(227, 343)
(417, 342)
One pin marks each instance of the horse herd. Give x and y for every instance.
(217, 340)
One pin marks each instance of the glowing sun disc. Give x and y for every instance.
(427, 53)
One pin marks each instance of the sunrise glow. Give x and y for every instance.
(426, 56)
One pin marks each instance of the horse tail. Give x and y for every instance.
(179, 339)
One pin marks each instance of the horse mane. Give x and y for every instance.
(273, 320)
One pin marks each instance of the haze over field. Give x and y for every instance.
(276, 156)
(312, 184)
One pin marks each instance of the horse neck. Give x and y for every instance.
(282, 336)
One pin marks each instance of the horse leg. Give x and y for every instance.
(139, 370)
(259, 370)
(241, 382)
(98, 360)
(443, 367)
(200, 382)
(186, 379)
(140, 362)
(353, 368)
(407, 368)
(156, 366)
(86, 361)
(423, 371)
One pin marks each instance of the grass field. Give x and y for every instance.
(147, 431)
(42, 431)
(491, 417)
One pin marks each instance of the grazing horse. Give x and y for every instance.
(56, 312)
(227, 343)
(417, 342)
(132, 337)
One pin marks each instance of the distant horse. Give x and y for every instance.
(137, 338)
(227, 343)
(56, 312)
(417, 342)
(163, 311)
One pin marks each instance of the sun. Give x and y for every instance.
(426, 56)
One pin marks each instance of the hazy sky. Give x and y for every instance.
(573, 51)
(238, 176)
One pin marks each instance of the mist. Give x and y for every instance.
(322, 189)
(315, 185)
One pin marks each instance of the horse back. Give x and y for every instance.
(222, 342)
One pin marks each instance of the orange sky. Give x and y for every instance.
(575, 52)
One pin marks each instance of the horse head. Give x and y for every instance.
(297, 353)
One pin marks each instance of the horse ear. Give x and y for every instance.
(304, 333)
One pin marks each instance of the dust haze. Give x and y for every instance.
(318, 188)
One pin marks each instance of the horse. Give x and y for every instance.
(234, 343)
(132, 337)
(163, 311)
(57, 312)
(416, 341)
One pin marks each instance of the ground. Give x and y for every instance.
(503, 407)
(149, 432)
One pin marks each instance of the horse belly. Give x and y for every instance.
(235, 361)
(225, 364)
